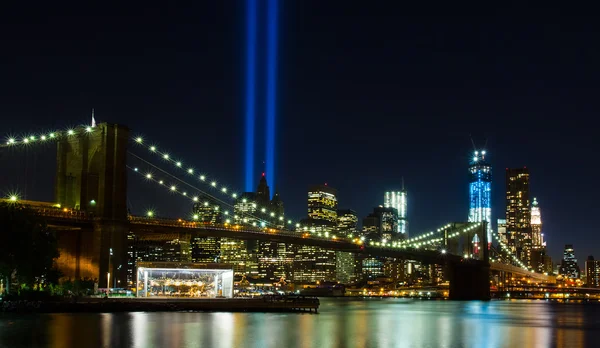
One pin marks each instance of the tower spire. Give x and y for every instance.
(93, 119)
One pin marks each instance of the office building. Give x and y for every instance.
(592, 272)
(205, 249)
(347, 227)
(207, 211)
(568, 266)
(252, 208)
(322, 203)
(480, 190)
(518, 213)
(382, 223)
(502, 233)
(347, 224)
(312, 264)
(398, 200)
(541, 262)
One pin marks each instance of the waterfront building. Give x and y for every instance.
(592, 272)
(480, 190)
(518, 213)
(568, 266)
(344, 267)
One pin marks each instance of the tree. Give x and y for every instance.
(28, 247)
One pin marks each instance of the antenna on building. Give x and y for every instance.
(473, 142)
(402, 183)
(93, 119)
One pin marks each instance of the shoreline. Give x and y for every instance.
(106, 305)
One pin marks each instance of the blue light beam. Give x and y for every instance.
(251, 14)
(272, 18)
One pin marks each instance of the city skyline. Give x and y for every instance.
(339, 115)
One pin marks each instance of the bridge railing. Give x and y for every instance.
(68, 214)
(229, 227)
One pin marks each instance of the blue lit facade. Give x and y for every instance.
(480, 190)
(272, 23)
(251, 29)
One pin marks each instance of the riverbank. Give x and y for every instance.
(101, 305)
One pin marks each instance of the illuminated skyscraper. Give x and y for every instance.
(518, 213)
(569, 267)
(322, 203)
(399, 201)
(502, 231)
(311, 263)
(537, 237)
(347, 224)
(592, 272)
(480, 189)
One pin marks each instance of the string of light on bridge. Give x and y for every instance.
(420, 241)
(507, 250)
(201, 177)
(45, 137)
(176, 190)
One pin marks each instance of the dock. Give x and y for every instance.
(116, 305)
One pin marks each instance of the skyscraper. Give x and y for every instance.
(347, 224)
(592, 272)
(322, 203)
(569, 267)
(383, 222)
(518, 213)
(480, 189)
(312, 263)
(537, 237)
(398, 200)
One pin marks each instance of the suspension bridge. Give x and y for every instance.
(91, 216)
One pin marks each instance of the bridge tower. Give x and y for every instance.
(91, 176)
(470, 278)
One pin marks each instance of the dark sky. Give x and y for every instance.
(366, 96)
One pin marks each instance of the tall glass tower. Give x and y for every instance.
(480, 189)
(397, 199)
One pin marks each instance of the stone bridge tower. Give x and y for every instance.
(91, 176)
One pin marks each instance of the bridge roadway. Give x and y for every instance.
(144, 226)
(501, 267)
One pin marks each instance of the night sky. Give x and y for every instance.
(366, 96)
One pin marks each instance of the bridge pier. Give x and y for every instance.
(469, 281)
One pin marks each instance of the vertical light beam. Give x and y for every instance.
(272, 23)
(251, 13)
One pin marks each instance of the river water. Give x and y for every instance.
(340, 323)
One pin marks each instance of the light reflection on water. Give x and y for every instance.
(340, 323)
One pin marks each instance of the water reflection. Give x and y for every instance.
(341, 323)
